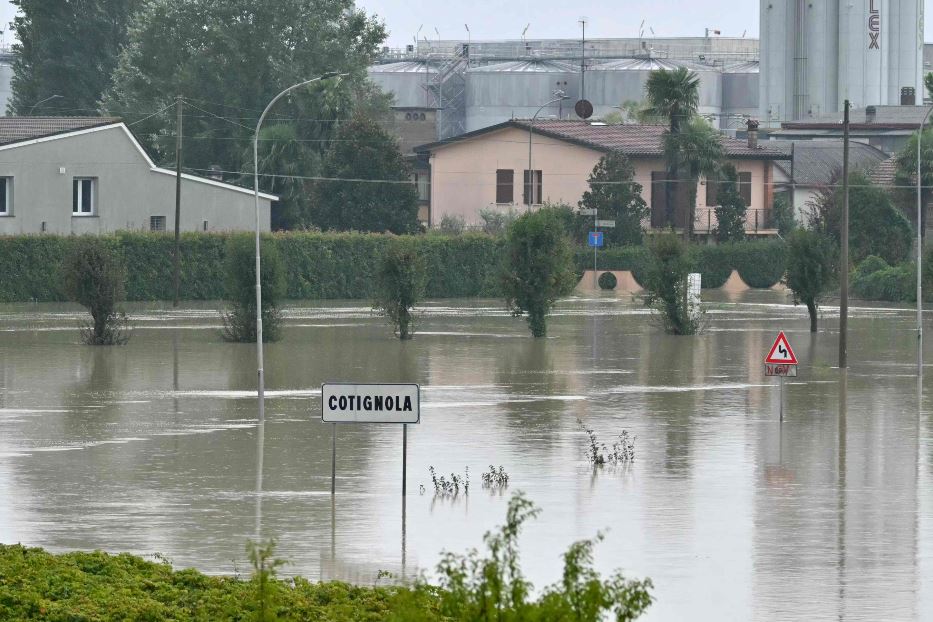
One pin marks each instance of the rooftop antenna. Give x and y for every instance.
(743, 33)
(438, 35)
(641, 29)
(416, 36)
(527, 26)
(652, 31)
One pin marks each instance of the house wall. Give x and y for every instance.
(463, 175)
(128, 190)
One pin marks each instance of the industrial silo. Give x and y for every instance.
(6, 91)
(407, 81)
(740, 92)
(611, 84)
(517, 89)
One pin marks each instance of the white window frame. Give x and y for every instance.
(8, 186)
(76, 210)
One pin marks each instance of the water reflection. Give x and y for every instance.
(734, 515)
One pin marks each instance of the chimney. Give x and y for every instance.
(752, 125)
(870, 112)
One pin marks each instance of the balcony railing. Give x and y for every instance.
(756, 220)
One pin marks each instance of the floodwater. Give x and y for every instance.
(153, 447)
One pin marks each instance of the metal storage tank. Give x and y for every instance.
(611, 84)
(740, 86)
(6, 90)
(406, 81)
(516, 89)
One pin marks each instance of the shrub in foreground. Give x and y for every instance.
(810, 269)
(93, 276)
(667, 285)
(240, 286)
(538, 266)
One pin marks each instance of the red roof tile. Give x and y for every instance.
(15, 129)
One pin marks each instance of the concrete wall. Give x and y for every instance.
(463, 175)
(129, 190)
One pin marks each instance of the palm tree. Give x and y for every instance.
(698, 149)
(674, 95)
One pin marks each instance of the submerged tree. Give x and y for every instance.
(616, 196)
(810, 269)
(400, 283)
(93, 275)
(666, 284)
(538, 266)
(240, 285)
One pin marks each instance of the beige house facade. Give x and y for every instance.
(488, 170)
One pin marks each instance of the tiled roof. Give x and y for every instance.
(883, 173)
(817, 162)
(15, 129)
(633, 140)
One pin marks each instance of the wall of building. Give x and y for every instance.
(463, 174)
(129, 192)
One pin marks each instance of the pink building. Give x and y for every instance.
(488, 169)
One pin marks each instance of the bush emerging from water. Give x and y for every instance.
(811, 269)
(400, 283)
(538, 266)
(667, 285)
(93, 275)
(240, 287)
(607, 280)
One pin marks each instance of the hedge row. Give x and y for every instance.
(340, 265)
(875, 279)
(760, 263)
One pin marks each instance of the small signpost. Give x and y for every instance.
(596, 239)
(606, 224)
(781, 362)
(587, 211)
(370, 403)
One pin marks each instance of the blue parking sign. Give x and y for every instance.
(596, 238)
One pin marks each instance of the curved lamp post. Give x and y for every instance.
(531, 180)
(42, 102)
(920, 247)
(259, 361)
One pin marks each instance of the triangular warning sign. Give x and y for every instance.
(781, 353)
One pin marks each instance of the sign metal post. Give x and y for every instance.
(370, 403)
(781, 362)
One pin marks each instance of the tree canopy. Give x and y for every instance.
(615, 195)
(730, 213)
(67, 49)
(362, 150)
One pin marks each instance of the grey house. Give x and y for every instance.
(90, 175)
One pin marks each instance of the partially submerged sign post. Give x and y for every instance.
(781, 362)
(370, 403)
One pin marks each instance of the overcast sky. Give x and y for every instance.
(499, 19)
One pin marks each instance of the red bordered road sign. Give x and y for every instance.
(781, 353)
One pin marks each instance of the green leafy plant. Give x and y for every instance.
(730, 213)
(538, 266)
(666, 285)
(400, 285)
(810, 269)
(240, 320)
(607, 280)
(265, 566)
(444, 487)
(495, 221)
(495, 479)
(452, 225)
(616, 196)
(783, 210)
(93, 275)
(492, 588)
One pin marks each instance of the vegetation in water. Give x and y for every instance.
(240, 319)
(811, 261)
(666, 285)
(621, 452)
(495, 479)
(400, 286)
(538, 266)
(93, 275)
(452, 487)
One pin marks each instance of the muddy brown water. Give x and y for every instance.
(152, 447)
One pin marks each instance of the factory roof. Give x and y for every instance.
(817, 162)
(16, 129)
(646, 141)
(884, 118)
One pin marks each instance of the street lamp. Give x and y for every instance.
(920, 248)
(42, 102)
(261, 391)
(531, 181)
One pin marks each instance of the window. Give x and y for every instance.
(6, 196)
(712, 192)
(157, 223)
(83, 196)
(505, 185)
(745, 188)
(532, 177)
(422, 185)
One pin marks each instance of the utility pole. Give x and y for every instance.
(179, 104)
(844, 256)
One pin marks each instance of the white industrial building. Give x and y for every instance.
(815, 55)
